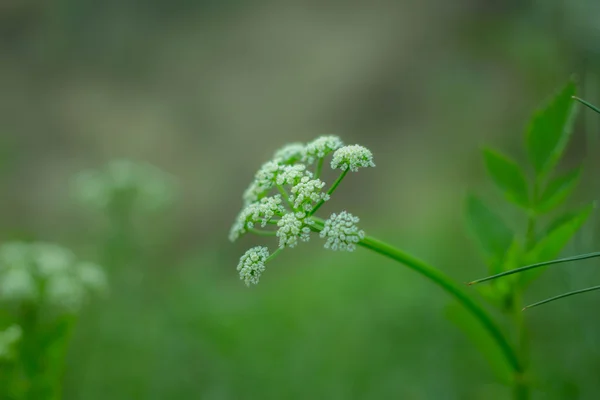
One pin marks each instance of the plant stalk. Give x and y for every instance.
(456, 291)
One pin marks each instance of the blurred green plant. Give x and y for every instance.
(537, 265)
(123, 190)
(292, 214)
(537, 194)
(42, 289)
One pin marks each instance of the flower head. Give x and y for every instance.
(291, 227)
(289, 154)
(252, 264)
(341, 232)
(292, 174)
(320, 147)
(306, 193)
(352, 158)
(261, 211)
(8, 340)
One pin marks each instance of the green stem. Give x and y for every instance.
(330, 191)
(319, 168)
(285, 196)
(453, 289)
(261, 232)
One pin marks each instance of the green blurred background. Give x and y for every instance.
(207, 90)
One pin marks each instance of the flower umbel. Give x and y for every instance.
(301, 193)
(252, 264)
(291, 227)
(352, 158)
(321, 147)
(341, 232)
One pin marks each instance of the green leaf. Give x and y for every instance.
(559, 233)
(477, 335)
(493, 235)
(550, 129)
(558, 190)
(507, 175)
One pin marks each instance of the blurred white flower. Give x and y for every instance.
(8, 340)
(341, 232)
(320, 147)
(289, 154)
(145, 185)
(252, 264)
(352, 157)
(18, 284)
(47, 273)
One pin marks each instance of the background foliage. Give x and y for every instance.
(207, 90)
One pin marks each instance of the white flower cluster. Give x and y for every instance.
(291, 227)
(321, 147)
(307, 193)
(8, 341)
(290, 153)
(341, 232)
(48, 274)
(301, 193)
(352, 158)
(252, 264)
(147, 186)
(262, 211)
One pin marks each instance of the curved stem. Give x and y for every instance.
(453, 289)
(330, 191)
(319, 168)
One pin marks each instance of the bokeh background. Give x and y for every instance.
(207, 90)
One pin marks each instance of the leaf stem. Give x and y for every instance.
(285, 195)
(453, 289)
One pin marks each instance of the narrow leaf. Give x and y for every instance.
(558, 190)
(549, 130)
(556, 238)
(561, 296)
(507, 175)
(537, 265)
(491, 232)
(587, 104)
